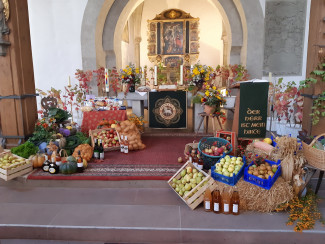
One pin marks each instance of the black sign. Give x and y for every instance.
(168, 109)
(253, 109)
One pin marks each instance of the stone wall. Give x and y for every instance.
(284, 37)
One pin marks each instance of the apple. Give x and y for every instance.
(115, 138)
(117, 144)
(111, 135)
(110, 144)
(220, 150)
(113, 142)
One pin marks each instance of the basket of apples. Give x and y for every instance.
(212, 149)
(108, 137)
(229, 169)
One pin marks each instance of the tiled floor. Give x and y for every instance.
(131, 215)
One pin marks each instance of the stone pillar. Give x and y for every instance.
(137, 41)
(18, 107)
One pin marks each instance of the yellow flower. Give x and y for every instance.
(129, 73)
(219, 97)
(207, 93)
(207, 87)
(214, 87)
(137, 71)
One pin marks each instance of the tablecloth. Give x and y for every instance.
(91, 119)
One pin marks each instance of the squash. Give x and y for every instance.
(69, 167)
(86, 151)
(37, 160)
(85, 163)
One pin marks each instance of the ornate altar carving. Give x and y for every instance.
(173, 38)
(4, 30)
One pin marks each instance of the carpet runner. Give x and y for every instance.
(157, 162)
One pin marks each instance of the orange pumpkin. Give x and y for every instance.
(37, 160)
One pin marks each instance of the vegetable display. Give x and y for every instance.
(25, 150)
(86, 151)
(58, 114)
(69, 167)
(130, 130)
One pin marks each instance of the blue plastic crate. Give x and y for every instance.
(225, 179)
(208, 142)
(264, 183)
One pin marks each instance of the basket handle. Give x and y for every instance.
(315, 139)
(65, 154)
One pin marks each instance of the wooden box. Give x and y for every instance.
(107, 149)
(194, 199)
(16, 169)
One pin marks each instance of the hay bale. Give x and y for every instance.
(255, 198)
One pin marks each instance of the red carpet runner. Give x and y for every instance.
(157, 162)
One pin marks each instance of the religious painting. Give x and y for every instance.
(173, 38)
(175, 33)
(173, 61)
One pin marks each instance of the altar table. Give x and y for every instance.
(91, 119)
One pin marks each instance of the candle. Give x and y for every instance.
(142, 70)
(69, 83)
(156, 70)
(106, 80)
(181, 75)
(270, 77)
(191, 69)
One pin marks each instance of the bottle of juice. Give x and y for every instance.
(226, 202)
(207, 200)
(216, 200)
(235, 203)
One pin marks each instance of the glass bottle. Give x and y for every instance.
(101, 150)
(80, 165)
(235, 203)
(126, 145)
(96, 152)
(58, 159)
(226, 202)
(207, 200)
(122, 144)
(216, 199)
(53, 168)
(200, 162)
(46, 164)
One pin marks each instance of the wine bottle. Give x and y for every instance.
(126, 145)
(46, 164)
(80, 165)
(122, 144)
(53, 168)
(96, 152)
(101, 150)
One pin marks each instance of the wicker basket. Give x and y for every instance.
(190, 146)
(314, 156)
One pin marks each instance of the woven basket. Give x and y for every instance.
(190, 146)
(314, 156)
(64, 155)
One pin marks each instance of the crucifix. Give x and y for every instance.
(168, 71)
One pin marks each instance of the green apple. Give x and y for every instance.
(194, 171)
(199, 174)
(198, 180)
(177, 189)
(219, 172)
(222, 160)
(231, 175)
(233, 159)
(231, 169)
(240, 158)
(226, 173)
(183, 173)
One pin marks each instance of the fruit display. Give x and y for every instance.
(215, 151)
(10, 161)
(187, 180)
(229, 166)
(268, 141)
(106, 124)
(108, 137)
(263, 171)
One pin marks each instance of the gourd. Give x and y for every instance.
(69, 167)
(86, 151)
(37, 160)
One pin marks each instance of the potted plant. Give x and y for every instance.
(130, 76)
(211, 99)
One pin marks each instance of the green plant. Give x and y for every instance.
(25, 150)
(317, 75)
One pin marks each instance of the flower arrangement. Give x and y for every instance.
(211, 96)
(130, 75)
(234, 72)
(201, 74)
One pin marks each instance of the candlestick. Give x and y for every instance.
(270, 77)
(69, 83)
(181, 75)
(106, 80)
(142, 70)
(156, 70)
(191, 69)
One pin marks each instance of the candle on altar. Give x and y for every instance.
(270, 77)
(181, 75)
(69, 83)
(156, 81)
(191, 69)
(142, 71)
(106, 80)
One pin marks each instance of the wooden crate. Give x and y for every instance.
(21, 169)
(194, 199)
(91, 132)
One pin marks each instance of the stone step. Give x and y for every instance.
(134, 215)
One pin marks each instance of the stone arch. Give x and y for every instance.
(243, 20)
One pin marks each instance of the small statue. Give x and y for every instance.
(4, 16)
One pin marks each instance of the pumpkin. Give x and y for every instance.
(37, 160)
(86, 151)
(69, 167)
(85, 163)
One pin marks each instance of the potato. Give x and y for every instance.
(256, 173)
(250, 172)
(261, 176)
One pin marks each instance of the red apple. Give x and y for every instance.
(220, 150)
(110, 144)
(115, 132)
(111, 136)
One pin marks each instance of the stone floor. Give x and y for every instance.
(129, 212)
